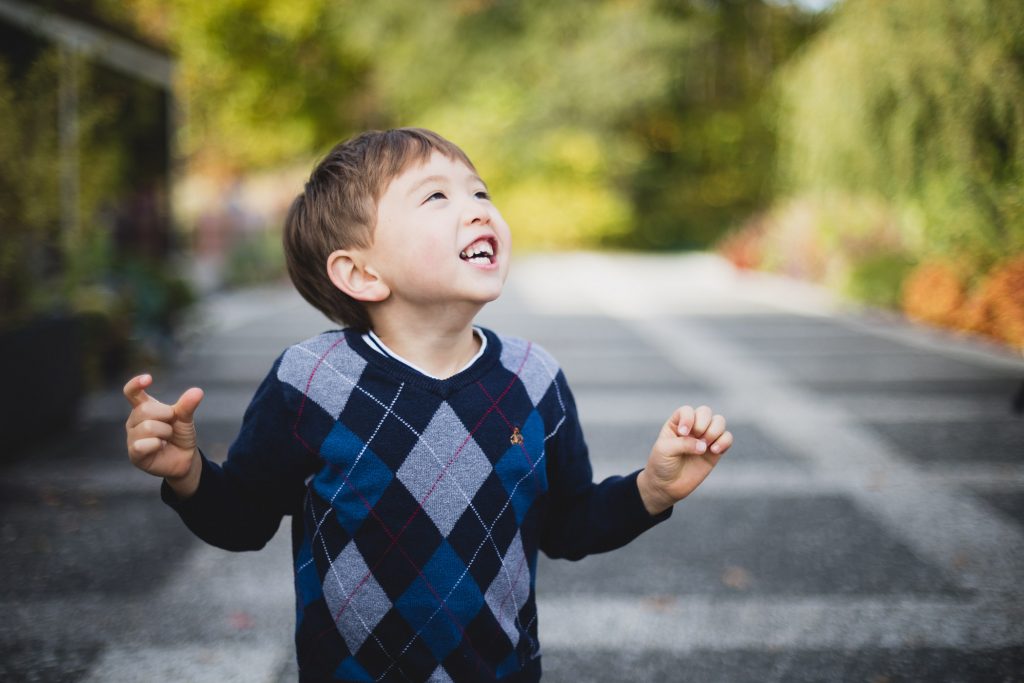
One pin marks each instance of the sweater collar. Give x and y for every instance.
(402, 371)
(376, 343)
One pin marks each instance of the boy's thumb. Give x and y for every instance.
(685, 445)
(186, 406)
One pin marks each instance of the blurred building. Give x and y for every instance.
(87, 119)
(103, 61)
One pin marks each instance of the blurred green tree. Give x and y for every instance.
(619, 123)
(260, 82)
(921, 104)
(709, 145)
(44, 265)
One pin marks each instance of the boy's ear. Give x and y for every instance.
(350, 273)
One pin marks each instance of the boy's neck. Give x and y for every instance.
(441, 348)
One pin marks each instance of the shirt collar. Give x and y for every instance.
(375, 343)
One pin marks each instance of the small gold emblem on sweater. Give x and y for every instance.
(517, 436)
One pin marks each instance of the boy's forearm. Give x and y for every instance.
(186, 486)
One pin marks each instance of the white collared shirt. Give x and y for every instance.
(374, 342)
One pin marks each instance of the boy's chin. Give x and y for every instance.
(486, 298)
(485, 295)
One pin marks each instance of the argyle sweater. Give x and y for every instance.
(418, 505)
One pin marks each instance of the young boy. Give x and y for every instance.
(424, 461)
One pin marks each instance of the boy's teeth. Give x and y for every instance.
(477, 250)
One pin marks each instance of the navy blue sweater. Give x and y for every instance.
(418, 505)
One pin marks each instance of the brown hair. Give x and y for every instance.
(338, 210)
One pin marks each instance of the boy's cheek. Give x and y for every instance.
(426, 258)
(505, 230)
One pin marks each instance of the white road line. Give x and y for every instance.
(941, 522)
(214, 663)
(691, 623)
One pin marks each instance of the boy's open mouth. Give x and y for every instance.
(480, 252)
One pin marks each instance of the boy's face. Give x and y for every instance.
(438, 238)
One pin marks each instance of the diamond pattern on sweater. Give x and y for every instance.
(510, 589)
(444, 469)
(324, 370)
(438, 603)
(440, 676)
(396, 541)
(481, 541)
(350, 460)
(425, 506)
(357, 604)
(521, 471)
(537, 373)
(382, 413)
(351, 670)
(383, 654)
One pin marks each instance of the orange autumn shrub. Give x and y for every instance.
(997, 306)
(934, 292)
(744, 248)
(784, 239)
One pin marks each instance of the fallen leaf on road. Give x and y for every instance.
(241, 621)
(736, 577)
(660, 603)
(961, 560)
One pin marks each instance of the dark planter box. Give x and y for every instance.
(41, 366)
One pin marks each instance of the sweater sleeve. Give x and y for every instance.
(239, 506)
(584, 517)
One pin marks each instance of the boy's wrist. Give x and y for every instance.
(654, 499)
(185, 486)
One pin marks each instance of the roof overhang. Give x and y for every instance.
(101, 45)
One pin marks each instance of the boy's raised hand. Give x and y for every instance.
(162, 438)
(689, 446)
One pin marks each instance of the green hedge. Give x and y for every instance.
(921, 103)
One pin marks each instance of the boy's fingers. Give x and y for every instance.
(186, 406)
(684, 422)
(722, 444)
(146, 428)
(152, 409)
(701, 420)
(135, 389)
(148, 446)
(714, 430)
(686, 445)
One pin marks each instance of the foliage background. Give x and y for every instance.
(920, 104)
(901, 158)
(609, 123)
(876, 146)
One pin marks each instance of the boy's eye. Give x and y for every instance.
(436, 195)
(483, 194)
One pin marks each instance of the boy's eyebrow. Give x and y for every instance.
(440, 178)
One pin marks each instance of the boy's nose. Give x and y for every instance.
(476, 213)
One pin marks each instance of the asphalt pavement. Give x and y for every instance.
(867, 525)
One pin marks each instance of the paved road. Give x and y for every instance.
(866, 526)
